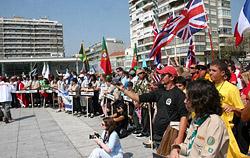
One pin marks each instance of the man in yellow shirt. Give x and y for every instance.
(231, 103)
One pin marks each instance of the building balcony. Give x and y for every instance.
(14, 37)
(176, 3)
(132, 1)
(148, 5)
(16, 33)
(147, 16)
(225, 35)
(16, 42)
(224, 17)
(147, 44)
(17, 28)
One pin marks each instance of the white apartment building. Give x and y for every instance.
(142, 11)
(30, 38)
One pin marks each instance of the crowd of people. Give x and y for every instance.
(200, 111)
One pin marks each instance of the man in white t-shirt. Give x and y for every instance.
(6, 98)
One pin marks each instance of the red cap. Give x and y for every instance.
(168, 70)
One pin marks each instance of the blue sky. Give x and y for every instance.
(84, 20)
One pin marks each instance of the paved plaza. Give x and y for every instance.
(43, 133)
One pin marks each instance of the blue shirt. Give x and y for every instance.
(114, 144)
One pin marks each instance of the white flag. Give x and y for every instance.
(44, 69)
(46, 75)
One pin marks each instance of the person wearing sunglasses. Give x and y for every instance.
(203, 71)
(193, 71)
(109, 142)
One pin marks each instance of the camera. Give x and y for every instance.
(94, 136)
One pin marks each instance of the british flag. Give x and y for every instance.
(155, 30)
(157, 59)
(191, 54)
(192, 19)
(161, 38)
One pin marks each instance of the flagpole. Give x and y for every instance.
(77, 68)
(175, 51)
(211, 42)
(83, 55)
(219, 43)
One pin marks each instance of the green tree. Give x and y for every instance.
(230, 50)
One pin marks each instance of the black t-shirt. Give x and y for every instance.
(170, 107)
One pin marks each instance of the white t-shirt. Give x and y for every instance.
(6, 89)
(103, 88)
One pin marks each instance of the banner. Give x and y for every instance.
(68, 102)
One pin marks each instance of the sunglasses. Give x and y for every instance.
(192, 67)
(140, 73)
(202, 68)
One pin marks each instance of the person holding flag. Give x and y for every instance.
(105, 62)
(83, 58)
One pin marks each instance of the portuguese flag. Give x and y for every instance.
(105, 62)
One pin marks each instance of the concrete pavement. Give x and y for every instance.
(41, 132)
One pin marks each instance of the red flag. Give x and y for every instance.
(134, 60)
(105, 62)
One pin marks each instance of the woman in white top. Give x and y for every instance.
(109, 143)
(103, 89)
(61, 87)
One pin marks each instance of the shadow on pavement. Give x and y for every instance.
(24, 117)
(127, 155)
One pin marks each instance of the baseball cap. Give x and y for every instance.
(201, 66)
(168, 70)
(81, 75)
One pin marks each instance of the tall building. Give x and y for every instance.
(24, 38)
(141, 14)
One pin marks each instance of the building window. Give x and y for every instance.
(199, 38)
(200, 48)
(227, 22)
(213, 12)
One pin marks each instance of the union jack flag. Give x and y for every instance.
(157, 59)
(161, 39)
(192, 19)
(155, 30)
(191, 54)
